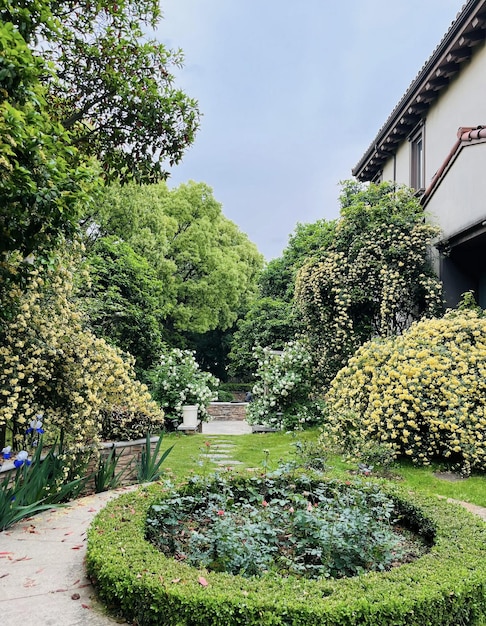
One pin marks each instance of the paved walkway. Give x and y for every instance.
(42, 577)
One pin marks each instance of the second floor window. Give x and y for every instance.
(417, 178)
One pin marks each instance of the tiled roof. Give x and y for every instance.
(465, 32)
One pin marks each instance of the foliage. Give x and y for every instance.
(443, 588)
(272, 320)
(282, 395)
(269, 323)
(207, 266)
(277, 526)
(211, 349)
(43, 182)
(178, 380)
(50, 364)
(119, 423)
(421, 394)
(150, 464)
(123, 300)
(111, 86)
(105, 476)
(38, 484)
(225, 396)
(373, 279)
(277, 279)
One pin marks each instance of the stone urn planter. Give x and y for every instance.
(189, 415)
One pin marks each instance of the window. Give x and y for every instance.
(417, 169)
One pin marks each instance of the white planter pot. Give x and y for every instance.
(189, 415)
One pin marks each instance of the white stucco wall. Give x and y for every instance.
(460, 200)
(457, 203)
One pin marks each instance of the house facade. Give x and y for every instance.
(435, 141)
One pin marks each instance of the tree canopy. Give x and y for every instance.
(207, 267)
(271, 320)
(110, 85)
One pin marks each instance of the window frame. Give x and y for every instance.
(417, 158)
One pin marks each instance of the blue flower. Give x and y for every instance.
(36, 425)
(7, 452)
(22, 458)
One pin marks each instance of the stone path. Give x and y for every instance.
(219, 452)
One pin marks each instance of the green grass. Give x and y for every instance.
(190, 456)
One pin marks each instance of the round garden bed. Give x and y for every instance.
(445, 586)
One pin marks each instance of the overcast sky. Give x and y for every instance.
(292, 94)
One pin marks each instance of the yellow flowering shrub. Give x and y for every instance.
(50, 364)
(421, 394)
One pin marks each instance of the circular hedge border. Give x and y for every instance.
(445, 587)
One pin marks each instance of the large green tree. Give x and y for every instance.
(272, 319)
(42, 181)
(123, 300)
(373, 279)
(111, 86)
(207, 266)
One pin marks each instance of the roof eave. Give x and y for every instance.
(466, 32)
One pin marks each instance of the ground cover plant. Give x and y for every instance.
(279, 523)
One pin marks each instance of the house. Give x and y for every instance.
(435, 141)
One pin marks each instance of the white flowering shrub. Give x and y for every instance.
(282, 395)
(51, 365)
(422, 395)
(178, 380)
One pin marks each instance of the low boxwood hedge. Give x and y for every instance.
(445, 587)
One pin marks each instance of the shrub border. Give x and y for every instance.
(446, 587)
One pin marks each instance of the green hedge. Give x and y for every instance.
(446, 587)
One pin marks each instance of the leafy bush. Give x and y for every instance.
(178, 381)
(282, 395)
(281, 525)
(225, 396)
(422, 394)
(119, 423)
(445, 587)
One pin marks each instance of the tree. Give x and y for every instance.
(373, 279)
(42, 181)
(269, 323)
(271, 320)
(208, 267)
(113, 88)
(123, 300)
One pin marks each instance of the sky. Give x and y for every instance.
(291, 96)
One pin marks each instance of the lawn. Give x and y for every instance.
(265, 451)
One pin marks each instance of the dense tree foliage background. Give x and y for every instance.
(203, 269)
(272, 319)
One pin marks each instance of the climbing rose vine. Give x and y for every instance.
(374, 278)
(422, 395)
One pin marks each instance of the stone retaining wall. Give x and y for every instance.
(129, 452)
(227, 410)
